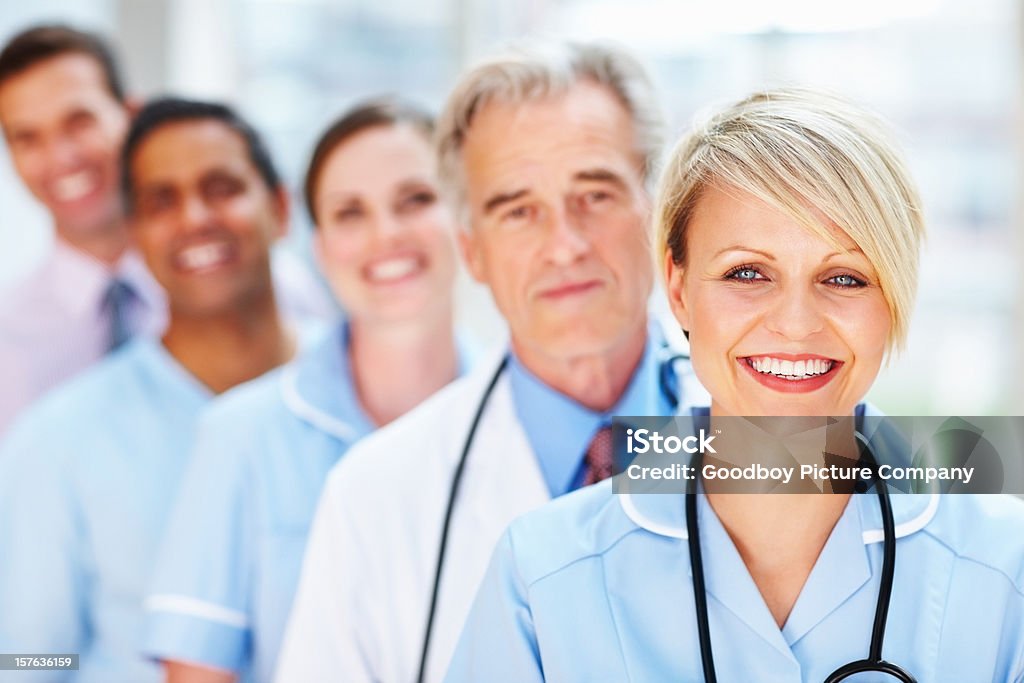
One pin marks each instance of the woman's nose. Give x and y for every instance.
(388, 227)
(796, 312)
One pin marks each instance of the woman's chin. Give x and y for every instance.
(784, 405)
(410, 310)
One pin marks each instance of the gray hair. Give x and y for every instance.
(534, 71)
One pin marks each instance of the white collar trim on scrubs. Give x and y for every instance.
(629, 507)
(310, 413)
(870, 535)
(908, 527)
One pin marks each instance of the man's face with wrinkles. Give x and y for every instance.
(558, 216)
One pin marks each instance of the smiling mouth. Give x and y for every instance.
(204, 257)
(789, 369)
(394, 269)
(799, 374)
(74, 186)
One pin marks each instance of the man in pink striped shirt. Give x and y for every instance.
(64, 115)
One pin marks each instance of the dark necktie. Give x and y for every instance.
(117, 301)
(598, 459)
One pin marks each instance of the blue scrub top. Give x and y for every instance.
(87, 480)
(230, 562)
(597, 587)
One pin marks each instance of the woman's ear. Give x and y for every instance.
(675, 285)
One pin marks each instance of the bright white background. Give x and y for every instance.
(947, 73)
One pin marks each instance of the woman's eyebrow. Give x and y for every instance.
(740, 247)
(771, 257)
(338, 196)
(854, 250)
(413, 183)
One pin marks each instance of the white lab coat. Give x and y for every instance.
(362, 603)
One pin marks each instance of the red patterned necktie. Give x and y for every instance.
(598, 458)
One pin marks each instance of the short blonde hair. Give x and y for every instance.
(533, 71)
(808, 154)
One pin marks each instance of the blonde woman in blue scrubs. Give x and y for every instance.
(231, 557)
(789, 233)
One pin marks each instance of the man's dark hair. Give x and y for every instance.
(168, 110)
(40, 43)
(380, 111)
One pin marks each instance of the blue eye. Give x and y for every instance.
(845, 281)
(744, 274)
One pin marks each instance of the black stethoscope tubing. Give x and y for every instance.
(452, 493)
(665, 384)
(874, 661)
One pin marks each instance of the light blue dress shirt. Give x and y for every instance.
(87, 478)
(597, 587)
(559, 429)
(230, 562)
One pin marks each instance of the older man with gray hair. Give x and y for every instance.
(547, 151)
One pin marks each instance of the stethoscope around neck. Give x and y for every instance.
(666, 383)
(874, 662)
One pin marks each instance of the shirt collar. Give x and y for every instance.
(560, 450)
(132, 269)
(840, 570)
(318, 388)
(664, 513)
(81, 281)
(844, 565)
(168, 374)
(77, 279)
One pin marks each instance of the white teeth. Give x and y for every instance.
(393, 269)
(204, 256)
(73, 186)
(791, 370)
